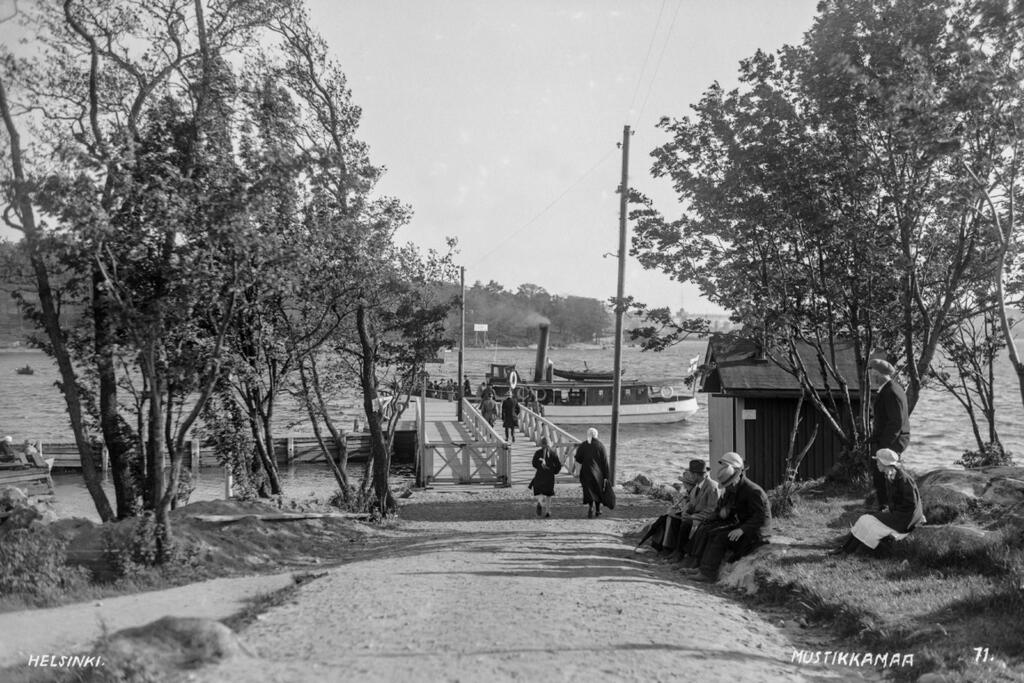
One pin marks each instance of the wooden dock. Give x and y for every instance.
(471, 452)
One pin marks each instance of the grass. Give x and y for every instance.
(938, 594)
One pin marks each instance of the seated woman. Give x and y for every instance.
(904, 511)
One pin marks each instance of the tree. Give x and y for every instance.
(823, 203)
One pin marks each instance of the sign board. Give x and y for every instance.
(479, 327)
(749, 414)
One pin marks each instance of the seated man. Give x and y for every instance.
(904, 512)
(745, 519)
(699, 505)
(7, 454)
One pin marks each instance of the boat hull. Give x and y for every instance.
(661, 412)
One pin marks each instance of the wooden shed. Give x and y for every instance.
(752, 403)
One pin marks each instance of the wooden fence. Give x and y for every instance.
(535, 426)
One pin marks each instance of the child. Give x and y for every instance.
(547, 464)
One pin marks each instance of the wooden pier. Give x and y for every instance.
(471, 452)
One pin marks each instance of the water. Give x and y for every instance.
(31, 407)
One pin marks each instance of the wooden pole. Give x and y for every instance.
(619, 296)
(462, 335)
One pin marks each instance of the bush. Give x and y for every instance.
(991, 454)
(784, 499)
(33, 564)
(134, 554)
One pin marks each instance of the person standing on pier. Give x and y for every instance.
(593, 462)
(510, 415)
(890, 422)
(547, 464)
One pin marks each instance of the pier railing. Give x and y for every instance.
(537, 426)
(467, 453)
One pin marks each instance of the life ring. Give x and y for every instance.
(518, 394)
(513, 379)
(666, 393)
(541, 395)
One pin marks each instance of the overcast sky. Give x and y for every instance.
(498, 120)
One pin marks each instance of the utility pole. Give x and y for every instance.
(619, 296)
(462, 333)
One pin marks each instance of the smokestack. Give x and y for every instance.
(542, 354)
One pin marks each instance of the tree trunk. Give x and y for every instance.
(118, 442)
(50, 318)
(379, 455)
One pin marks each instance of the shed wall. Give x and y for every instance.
(767, 441)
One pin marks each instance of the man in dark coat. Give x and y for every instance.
(547, 464)
(510, 415)
(745, 505)
(593, 462)
(891, 421)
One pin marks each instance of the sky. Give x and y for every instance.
(499, 122)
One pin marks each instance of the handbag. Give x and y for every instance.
(608, 495)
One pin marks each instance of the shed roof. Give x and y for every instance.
(739, 367)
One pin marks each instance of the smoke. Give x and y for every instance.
(534, 319)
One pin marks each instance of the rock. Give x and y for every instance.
(20, 517)
(1004, 491)
(663, 492)
(12, 497)
(948, 494)
(170, 643)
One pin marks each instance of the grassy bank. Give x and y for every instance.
(952, 596)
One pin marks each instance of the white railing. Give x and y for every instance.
(484, 432)
(536, 427)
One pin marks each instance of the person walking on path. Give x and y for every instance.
(890, 422)
(510, 416)
(489, 409)
(746, 507)
(593, 462)
(547, 464)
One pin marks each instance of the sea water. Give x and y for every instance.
(31, 407)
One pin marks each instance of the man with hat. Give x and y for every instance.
(695, 508)
(890, 421)
(746, 516)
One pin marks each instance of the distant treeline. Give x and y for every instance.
(512, 317)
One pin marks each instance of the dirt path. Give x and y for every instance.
(480, 592)
(73, 628)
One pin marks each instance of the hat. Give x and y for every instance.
(733, 459)
(882, 366)
(9, 439)
(698, 466)
(887, 457)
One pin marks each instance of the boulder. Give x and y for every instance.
(948, 494)
(170, 643)
(741, 574)
(663, 492)
(12, 497)
(638, 484)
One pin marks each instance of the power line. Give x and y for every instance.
(546, 208)
(657, 68)
(650, 46)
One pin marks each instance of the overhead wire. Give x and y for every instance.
(661, 56)
(548, 207)
(647, 57)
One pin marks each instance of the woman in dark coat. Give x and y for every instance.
(547, 464)
(593, 461)
(510, 415)
(904, 513)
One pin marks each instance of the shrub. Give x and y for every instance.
(784, 499)
(134, 554)
(991, 454)
(33, 564)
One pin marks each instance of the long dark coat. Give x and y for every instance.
(905, 510)
(891, 419)
(593, 460)
(547, 464)
(510, 412)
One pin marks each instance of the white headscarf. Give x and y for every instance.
(591, 434)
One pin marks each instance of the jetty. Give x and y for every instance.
(445, 451)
